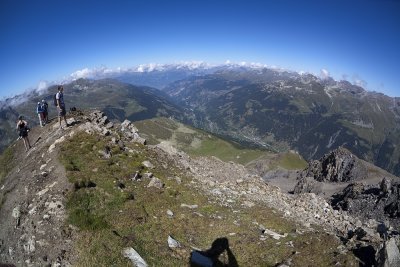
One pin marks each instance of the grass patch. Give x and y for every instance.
(6, 162)
(117, 213)
(195, 142)
(291, 161)
(225, 151)
(156, 129)
(85, 212)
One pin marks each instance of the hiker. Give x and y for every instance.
(22, 127)
(39, 110)
(45, 107)
(61, 105)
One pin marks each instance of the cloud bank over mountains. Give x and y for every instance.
(105, 72)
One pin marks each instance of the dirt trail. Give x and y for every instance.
(33, 231)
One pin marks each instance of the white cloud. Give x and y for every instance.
(360, 83)
(42, 85)
(83, 73)
(149, 67)
(357, 80)
(324, 74)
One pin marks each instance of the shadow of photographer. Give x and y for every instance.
(212, 257)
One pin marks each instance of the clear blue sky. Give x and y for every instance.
(50, 39)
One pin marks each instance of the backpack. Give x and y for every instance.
(55, 99)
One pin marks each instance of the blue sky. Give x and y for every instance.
(46, 40)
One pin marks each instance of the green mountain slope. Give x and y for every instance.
(196, 142)
(283, 111)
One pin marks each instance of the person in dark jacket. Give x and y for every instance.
(22, 127)
(45, 108)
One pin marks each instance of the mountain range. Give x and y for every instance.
(208, 166)
(286, 110)
(275, 109)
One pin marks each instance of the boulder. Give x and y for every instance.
(389, 255)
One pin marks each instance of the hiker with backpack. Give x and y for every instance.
(22, 127)
(45, 108)
(39, 110)
(59, 102)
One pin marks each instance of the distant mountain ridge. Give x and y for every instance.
(283, 110)
(273, 108)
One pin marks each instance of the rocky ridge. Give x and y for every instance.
(36, 220)
(34, 230)
(228, 183)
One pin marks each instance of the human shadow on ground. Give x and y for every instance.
(211, 257)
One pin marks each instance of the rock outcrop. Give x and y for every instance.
(338, 166)
(379, 202)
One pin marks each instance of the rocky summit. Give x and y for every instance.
(335, 170)
(340, 165)
(97, 194)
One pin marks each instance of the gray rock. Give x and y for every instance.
(155, 182)
(136, 259)
(16, 213)
(371, 201)
(189, 206)
(172, 243)
(386, 185)
(392, 252)
(389, 255)
(148, 164)
(131, 132)
(340, 165)
(109, 125)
